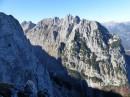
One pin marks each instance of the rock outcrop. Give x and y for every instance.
(85, 48)
(27, 25)
(18, 64)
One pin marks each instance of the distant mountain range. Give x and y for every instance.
(123, 30)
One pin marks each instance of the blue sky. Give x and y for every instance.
(99, 10)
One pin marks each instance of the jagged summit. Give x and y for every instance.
(27, 25)
(84, 47)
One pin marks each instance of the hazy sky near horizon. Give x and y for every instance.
(99, 10)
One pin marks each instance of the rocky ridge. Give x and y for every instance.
(27, 25)
(85, 48)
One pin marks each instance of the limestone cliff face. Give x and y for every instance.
(18, 64)
(86, 49)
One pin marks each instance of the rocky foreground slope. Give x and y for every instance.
(18, 64)
(85, 48)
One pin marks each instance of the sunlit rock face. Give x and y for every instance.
(86, 49)
(18, 64)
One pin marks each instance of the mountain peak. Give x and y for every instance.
(83, 46)
(27, 25)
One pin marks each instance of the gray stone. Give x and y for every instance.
(18, 63)
(88, 49)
